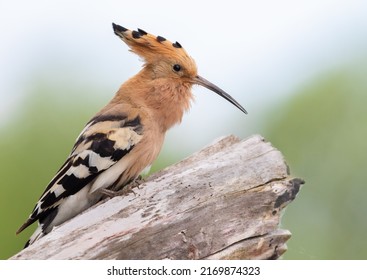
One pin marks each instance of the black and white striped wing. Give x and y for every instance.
(105, 140)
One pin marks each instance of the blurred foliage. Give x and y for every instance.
(33, 147)
(322, 132)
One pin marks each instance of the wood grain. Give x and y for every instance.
(223, 202)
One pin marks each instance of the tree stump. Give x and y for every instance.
(223, 202)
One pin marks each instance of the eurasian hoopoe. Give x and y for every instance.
(125, 137)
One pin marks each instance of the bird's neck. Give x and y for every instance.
(164, 99)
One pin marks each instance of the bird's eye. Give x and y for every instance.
(177, 67)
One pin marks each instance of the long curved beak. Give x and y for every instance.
(205, 83)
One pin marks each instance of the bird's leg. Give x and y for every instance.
(125, 189)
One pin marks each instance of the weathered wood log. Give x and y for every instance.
(223, 202)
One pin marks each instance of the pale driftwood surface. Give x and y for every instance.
(223, 202)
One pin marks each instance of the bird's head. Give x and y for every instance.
(167, 60)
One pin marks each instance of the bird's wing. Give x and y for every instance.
(105, 140)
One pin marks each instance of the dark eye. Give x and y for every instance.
(177, 67)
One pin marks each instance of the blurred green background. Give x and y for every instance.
(306, 93)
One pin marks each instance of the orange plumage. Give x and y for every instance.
(126, 136)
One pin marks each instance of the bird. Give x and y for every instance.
(126, 135)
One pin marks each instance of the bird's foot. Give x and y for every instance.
(125, 190)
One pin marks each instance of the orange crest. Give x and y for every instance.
(148, 46)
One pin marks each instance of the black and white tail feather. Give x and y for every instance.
(97, 161)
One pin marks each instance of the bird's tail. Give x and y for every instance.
(38, 233)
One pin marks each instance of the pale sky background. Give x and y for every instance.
(260, 52)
